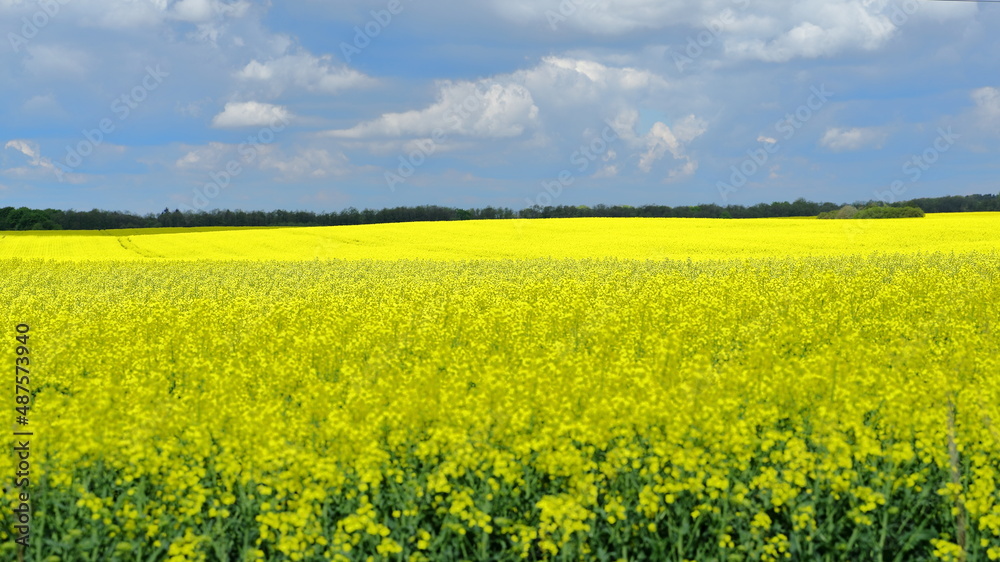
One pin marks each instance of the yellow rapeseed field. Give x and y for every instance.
(628, 238)
(568, 389)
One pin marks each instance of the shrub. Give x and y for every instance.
(889, 213)
(847, 212)
(852, 212)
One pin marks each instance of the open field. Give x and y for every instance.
(575, 389)
(697, 239)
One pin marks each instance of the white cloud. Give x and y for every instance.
(608, 171)
(43, 104)
(31, 150)
(204, 157)
(484, 109)
(290, 163)
(660, 140)
(599, 75)
(132, 14)
(195, 11)
(569, 87)
(508, 105)
(987, 103)
(251, 114)
(193, 108)
(28, 148)
(304, 163)
(768, 30)
(540, 100)
(599, 17)
(303, 71)
(814, 29)
(564, 81)
(57, 61)
(982, 120)
(855, 138)
(37, 164)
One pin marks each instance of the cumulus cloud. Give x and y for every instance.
(814, 29)
(31, 150)
(199, 11)
(43, 103)
(599, 17)
(302, 71)
(26, 147)
(855, 138)
(982, 120)
(593, 76)
(767, 30)
(566, 82)
(538, 100)
(660, 140)
(203, 157)
(36, 162)
(251, 114)
(483, 109)
(130, 14)
(304, 162)
(987, 101)
(50, 60)
(507, 105)
(289, 163)
(608, 171)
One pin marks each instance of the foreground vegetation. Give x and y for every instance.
(852, 212)
(812, 407)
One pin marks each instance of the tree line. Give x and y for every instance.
(24, 218)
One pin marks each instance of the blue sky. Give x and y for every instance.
(139, 105)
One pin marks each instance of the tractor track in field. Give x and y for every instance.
(128, 244)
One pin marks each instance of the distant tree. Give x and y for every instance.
(24, 218)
